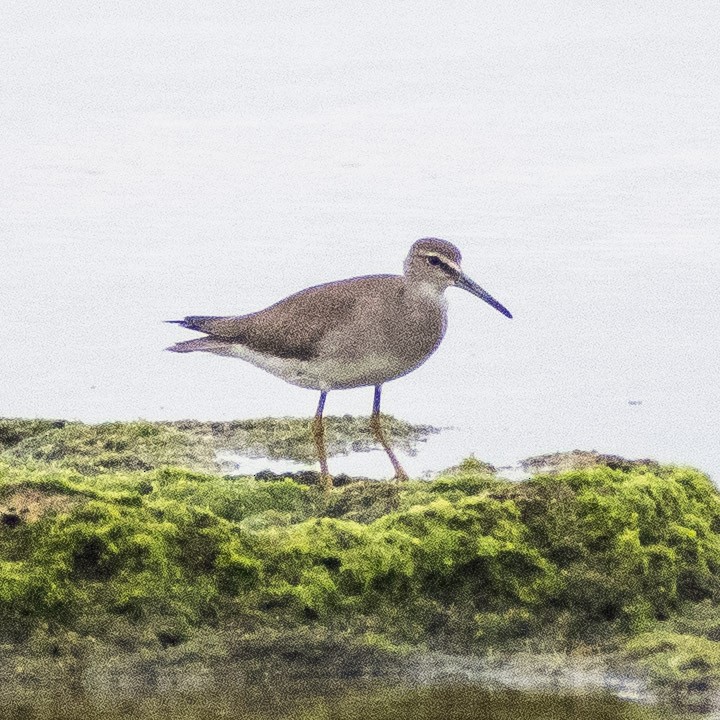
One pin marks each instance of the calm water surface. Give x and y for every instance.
(430, 703)
(165, 159)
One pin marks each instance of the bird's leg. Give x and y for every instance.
(319, 437)
(376, 427)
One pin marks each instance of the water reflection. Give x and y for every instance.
(304, 702)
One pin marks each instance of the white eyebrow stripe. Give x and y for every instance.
(446, 261)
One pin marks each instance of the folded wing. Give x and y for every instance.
(292, 328)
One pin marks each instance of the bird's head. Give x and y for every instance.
(436, 262)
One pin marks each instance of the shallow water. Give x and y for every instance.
(172, 159)
(441, 702)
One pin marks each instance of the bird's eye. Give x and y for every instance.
(433, 260)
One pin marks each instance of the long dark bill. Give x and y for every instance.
(466, 283)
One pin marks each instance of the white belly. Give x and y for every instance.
(326, 373)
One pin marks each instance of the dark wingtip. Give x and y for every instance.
(174, 322)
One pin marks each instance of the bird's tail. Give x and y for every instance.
(195, 322)
(203, 344)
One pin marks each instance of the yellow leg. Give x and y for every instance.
(319, 438)
(379, 435)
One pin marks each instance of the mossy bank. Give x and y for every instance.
(111, 558)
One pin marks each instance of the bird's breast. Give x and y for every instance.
(416, 333)
(384, 339)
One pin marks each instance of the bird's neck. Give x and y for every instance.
(424, 292)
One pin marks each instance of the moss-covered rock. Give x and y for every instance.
(144, 445)
(143, 560)
(117, 446)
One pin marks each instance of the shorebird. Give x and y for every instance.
(351, 333)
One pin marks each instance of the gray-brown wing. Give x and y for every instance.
(293, 327)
